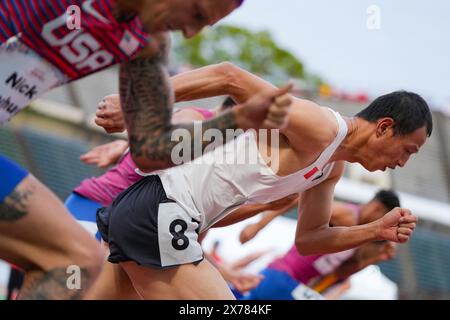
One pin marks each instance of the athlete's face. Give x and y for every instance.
(191, 16)
(388, 150)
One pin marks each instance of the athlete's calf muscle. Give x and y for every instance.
(52, 285)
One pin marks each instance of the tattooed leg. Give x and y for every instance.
(147, 99)
(52, 285)
(14, 206)
(45, 239)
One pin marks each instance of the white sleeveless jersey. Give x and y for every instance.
(214, 185)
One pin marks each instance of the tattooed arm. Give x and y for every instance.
(147, 99)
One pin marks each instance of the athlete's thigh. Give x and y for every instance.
(112, 284)
(187, 281)
(156, 241)
(37, 229)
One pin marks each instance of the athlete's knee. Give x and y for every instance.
(89, 256)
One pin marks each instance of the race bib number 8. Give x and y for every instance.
(177, 236)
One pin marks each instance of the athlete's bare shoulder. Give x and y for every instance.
(311, 127)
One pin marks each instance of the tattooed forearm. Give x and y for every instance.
(147, 101)
(52, 285)
(14, 207)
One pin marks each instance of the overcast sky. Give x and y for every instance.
(410, 50)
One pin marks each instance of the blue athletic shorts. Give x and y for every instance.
(276, 285)
(279, 285)
(10, 176)
(85, 211)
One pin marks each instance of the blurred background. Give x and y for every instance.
(339, 54)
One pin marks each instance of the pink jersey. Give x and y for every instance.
(105, 188)
(306, 268)
(98, 42)
(206, 114)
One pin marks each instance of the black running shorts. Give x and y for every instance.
(144, 226)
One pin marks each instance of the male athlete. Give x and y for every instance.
(152, 227)
(297, 277)
(41, 48)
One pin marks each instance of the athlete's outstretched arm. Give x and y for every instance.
(218, 79)
(147, 100)
(366, 255)
(315, 236)
(251, 230)
(249, 210)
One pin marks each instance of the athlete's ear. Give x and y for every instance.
(384, 125)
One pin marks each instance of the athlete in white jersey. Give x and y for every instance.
(152, 227)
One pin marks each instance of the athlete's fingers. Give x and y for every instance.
(103, 122)
(278, 115)
(278, 111)
(284, 100)
(405, 212)
(408, 219)
(90, 160)
(101, 105)
(276, 118)
(90, 154)
(283, 90)
(268, 124)
(108, 114)
(408, 225)
(103, 163)
(402, 238)
(276, 123)
(405, 231)
(271, 95)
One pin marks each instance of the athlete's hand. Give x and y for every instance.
(376, 252)
(109, 114)
(249, 232)
(106, 154)
(268, 109)
(246, 282)
(397, 225)
(242, 282)
(387, 251)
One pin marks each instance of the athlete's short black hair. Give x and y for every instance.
(409, 111)
(388, 198)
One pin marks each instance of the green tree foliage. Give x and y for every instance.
(254, 51)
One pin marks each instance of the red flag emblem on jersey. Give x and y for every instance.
(311, 173)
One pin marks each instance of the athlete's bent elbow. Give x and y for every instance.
(229, 73)
(303, 246)
(148, 165)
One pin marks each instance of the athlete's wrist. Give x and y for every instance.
(240, 117)
(375, 230)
